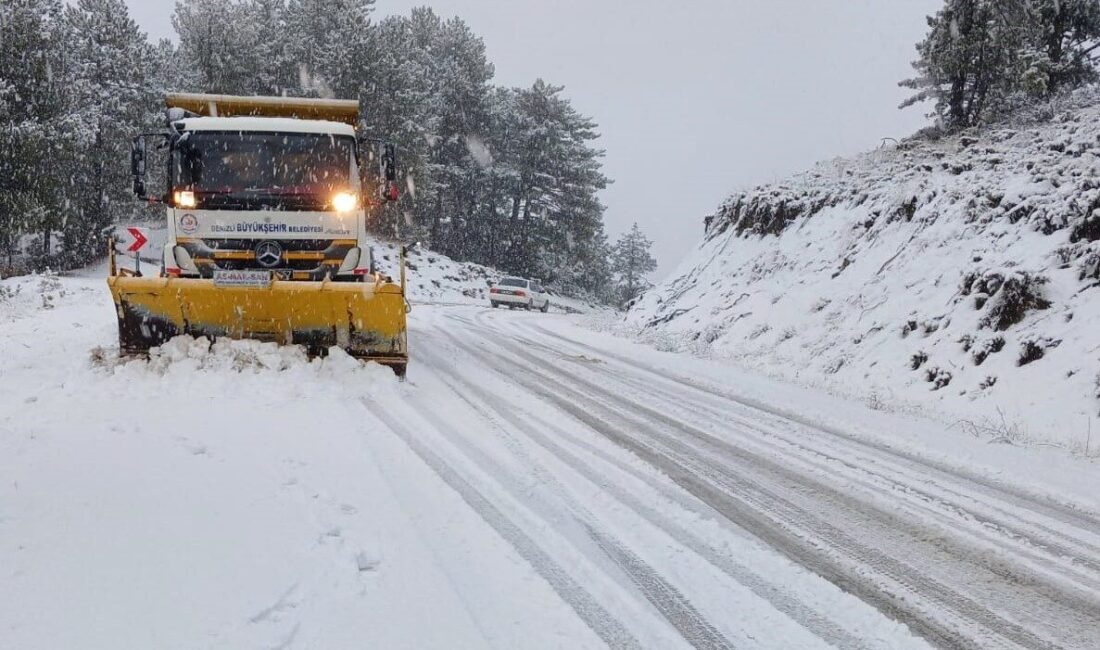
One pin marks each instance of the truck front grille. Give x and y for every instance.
(315, 258)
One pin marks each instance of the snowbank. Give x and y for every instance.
(957, 276)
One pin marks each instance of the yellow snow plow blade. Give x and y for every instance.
(367, 320)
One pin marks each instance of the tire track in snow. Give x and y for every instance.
(672, 605)
(1065, 513)
(1071, 560)
(668, 600)
(727, 492)
(783, 602)
(1031, 589)
(598, 619)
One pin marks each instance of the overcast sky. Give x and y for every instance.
(697, 101)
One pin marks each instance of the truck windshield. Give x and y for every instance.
(237, 166)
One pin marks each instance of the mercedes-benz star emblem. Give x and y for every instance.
(269, 254)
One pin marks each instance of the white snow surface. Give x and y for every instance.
(241, 495)
(880, 277)
(227, 496)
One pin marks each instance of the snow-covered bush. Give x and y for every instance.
(1034, 348)
(1006, 296)
(1089, 265)
(769, 214)
(982, 350)
(1020, 293)
(9, 293)
(1088, 229)
(938, 377)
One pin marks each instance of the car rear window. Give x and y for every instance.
(513, 282)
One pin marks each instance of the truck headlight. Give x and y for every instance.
(184, 199)
(344, 201)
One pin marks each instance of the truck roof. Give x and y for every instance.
(302, 108)
(265, 125)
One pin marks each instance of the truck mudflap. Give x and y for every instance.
(366, 319)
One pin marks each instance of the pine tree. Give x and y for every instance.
(981, 58)
(169, 70)
(1063, 36)
(109, 91)
(220, 42)
(319, 38)
(969, 59)
(276, 72)
(632, 263)
(33, 124)
(549, 175)
(460, 99)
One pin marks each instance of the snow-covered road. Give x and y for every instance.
(534, 484)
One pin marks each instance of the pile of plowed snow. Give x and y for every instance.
(436, 278)
(27, 295)
(959, 275)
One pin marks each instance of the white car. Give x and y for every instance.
(517, 292)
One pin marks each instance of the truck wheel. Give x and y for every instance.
(495, 304)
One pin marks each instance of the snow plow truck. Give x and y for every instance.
(267, 201)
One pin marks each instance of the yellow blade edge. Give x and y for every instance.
(364, 319)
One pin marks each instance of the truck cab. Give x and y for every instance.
(273, 193)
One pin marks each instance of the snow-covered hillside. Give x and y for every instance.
(958, 274)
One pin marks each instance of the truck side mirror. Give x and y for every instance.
(389, 171)
(137, 165)
(389, 162)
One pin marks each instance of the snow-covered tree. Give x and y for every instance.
(276, 72)
(1063, 37)
(967, 60)
(321, 38)
(632, 263)
(33, 123)
(219, 41)
(982, 58)
(108, 83)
